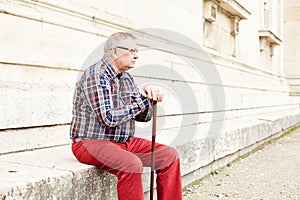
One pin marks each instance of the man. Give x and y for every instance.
(106, 105)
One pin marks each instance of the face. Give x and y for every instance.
(125, 58)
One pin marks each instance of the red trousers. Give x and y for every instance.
(126, 161)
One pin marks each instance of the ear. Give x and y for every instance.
(114, 52)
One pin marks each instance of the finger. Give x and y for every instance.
(149, 93)
(160, 97)
(144, 93)
(154, 95)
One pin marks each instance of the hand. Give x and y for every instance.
(153, 93)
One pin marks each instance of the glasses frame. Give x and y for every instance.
(132, 51)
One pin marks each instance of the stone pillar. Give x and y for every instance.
(292, 45)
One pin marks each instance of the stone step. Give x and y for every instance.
(54, 173)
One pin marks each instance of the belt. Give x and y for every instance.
(79, 139)
(76, 140)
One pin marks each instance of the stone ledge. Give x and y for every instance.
(54, 173)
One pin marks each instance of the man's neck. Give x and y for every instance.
(113, 63)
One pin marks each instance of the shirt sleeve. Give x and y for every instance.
(97, 91)
(145, 115)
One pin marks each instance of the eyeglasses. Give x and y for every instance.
(130, 50)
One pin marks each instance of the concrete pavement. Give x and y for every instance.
(270, 173)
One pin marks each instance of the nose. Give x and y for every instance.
(135, 56)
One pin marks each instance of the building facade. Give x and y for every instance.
(230, 70)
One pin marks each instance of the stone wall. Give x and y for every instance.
(216, 103)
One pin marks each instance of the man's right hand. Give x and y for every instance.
(153, 93)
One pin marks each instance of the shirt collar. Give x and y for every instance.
(110, 69)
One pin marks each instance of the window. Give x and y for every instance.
(221, 20)
(269, 32)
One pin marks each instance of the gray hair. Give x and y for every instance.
(115, 38)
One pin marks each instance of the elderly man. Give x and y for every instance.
(106, 105)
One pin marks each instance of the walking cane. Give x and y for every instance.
(153, 149)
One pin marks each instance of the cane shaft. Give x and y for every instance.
(153, 149)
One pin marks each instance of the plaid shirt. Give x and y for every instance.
(106, 105)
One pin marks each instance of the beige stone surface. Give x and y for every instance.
(271, 173)
(44, 44)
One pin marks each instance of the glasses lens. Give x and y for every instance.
(133, 50)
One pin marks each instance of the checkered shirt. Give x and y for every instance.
(106, 105)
